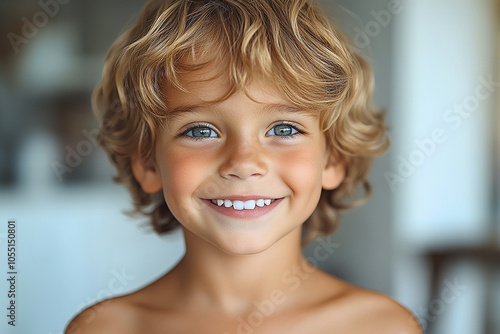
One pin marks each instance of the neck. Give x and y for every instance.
(233, 283)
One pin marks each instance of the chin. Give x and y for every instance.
(247, 246)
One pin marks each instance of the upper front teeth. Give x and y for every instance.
(240, 205)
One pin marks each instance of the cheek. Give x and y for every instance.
(302, 169)
(182, 173)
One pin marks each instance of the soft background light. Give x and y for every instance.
(429, 57)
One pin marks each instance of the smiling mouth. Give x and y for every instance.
(243, 205)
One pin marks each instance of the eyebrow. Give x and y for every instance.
(183, 110)
(285, 108)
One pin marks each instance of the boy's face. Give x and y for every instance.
(238, 147)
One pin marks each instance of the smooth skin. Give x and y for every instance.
(242, 275)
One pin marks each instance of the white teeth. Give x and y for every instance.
(250, 205)
(240, 205)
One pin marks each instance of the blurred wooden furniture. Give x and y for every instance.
(487, 256)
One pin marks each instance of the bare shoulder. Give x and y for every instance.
(365, 311)
(115, 315)
(385, 314)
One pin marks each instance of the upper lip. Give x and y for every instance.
(245, 198)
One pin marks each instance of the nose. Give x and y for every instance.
(243, 159)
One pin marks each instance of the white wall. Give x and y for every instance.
(444, 52)
(441, 61)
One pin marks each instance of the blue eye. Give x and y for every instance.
(202, 132)
(284, 130)
(199, 132)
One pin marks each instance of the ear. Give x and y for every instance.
(333, 174)
(147, 175)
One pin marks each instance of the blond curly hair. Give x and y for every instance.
(287, 42)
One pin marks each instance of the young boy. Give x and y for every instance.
(246, 123)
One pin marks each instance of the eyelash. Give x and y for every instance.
(293, 127)
(195, 126)
(207, 126)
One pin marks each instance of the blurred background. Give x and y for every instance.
(429, 237)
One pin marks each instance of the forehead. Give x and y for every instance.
(212, 83)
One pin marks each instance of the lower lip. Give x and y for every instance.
(255, 213)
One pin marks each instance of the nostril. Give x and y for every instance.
(243, 171)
